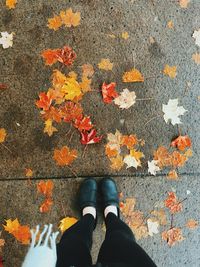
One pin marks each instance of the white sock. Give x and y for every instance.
(90, 210)
(112, 209)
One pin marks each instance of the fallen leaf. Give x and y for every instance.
(152, 167)
(117, 163)
(125, 35)
(137, 155)
(170, 71)
(178, 159)
(6, 39)
(172, 203)
(114, 140)
(196, 36)
(45, 101)
(88, 138)
(108, 92)
(172, 111)
(132, 76)
(66, 223)
(128, 207)
(172, 236)
(28, 172)
(181, 142)
(11, 226)
(64, 156)
(85, 84)
(71, 111)
(70, 18)
(170, 24)
(71, 89)
(163, 157)
(129, 141)
(172, 175)
(55, 23)
(46, 205)
(192, 224)
(3, 86)
(11, 3)
(126, 99)
(111, 152)
(184, 3)
(161, 215)
(105, 64)
(45, 188)
(153, 226)
(83, 124)
(49, 128)
(2, 135)
(87, 70)
(52, 114)
(188, 153)
(196, 58)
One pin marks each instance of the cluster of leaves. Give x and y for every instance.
(114, 150)
(46, 188)
(173, 158)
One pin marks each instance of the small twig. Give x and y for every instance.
(84, 151)
(68, 132)
(63, 209)
(172, 220)
(144, 99)
(179, 130)
(157, 116)
(74, 173)
(6, 148)
(71, 136)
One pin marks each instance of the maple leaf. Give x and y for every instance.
(172, 175)
(85, 84)
(181, 142)
(172, 203)
(172, 111)
(115, 140)
(45, 101)
(170, 71)
(11, 226)
(88, 138)
(117, 163)
(11, 3)
(66, 223)
(87, 70)
(177, 159)
(108, 92)
(71, 111)
(153, 226)
(129, 141)
(170, 24)
(83, 123)
(130, 161)
(125, 35)
(28, 172)
(71, 89)
(2, 243)
(192, 224)
(2, 135)
(50, 56)
(45, 188)
(49, 128)
(161, 215)
(172, 236)
(64, 156)
(162, 156)
(111, 152)
(6, 39)
(70, 18)
(58, 79)
(188, 153)
(184, 3)
(128, 207)
(152, 167)
(196, 36)
(46, 205)
(126, 99)
(132, 76)
(53, 114)
(54, 23)
(196, 58)
(137, 155)
(105, 64)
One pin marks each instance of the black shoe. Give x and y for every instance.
(88, 194)
(109, 193)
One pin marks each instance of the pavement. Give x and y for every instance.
(22, 68)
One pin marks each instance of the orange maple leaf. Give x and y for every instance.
(184, 3)
(28, 172)
(170, 71)
(172, 203)
(182, 142)
(50, 56)
(178, 159)
(70, 18)
(45, 188)
(87, 70)
(11, 3)
(172, 236)
(117, 163)
(22, 234)
(11, 226)
(2, 135)
(53, 114)
(85, 84)
(132, 76)
(71, 111)
(83, 123)
(46, 205)
(162, 156)
(129, 141)
(105, 64)
(58, 79)
(192, 224)
(64, 156)
(54, 23)
(172, 175)
(66, 223)
(111, 152)
(45, 101)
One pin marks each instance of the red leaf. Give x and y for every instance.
(3, 86)
(181, 142)
(1, 262)
(66, 56)
(71, 111)
(83, 124)
(90, 137)
(44, 102)
(108, 92)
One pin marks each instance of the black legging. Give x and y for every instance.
(119, 245)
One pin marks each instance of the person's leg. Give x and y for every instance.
(75, 244)
(120, 246)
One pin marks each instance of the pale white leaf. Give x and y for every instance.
(196, 36)
(172, 111)
(152, 226)
(152, 167)
(131, 162)
(126, 99)
(6, 39)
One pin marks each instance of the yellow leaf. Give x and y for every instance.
(137, 155)
(73, 74)
(105, 64)
(49, 128)
(11, 226)
(11, 3)
(161, 215)
(69, 18)
(2, 135)
(125, 35)
(172, 175)
(170, 71)
(85, 84)
(28, 172)
(132, 76)
(54, 23)
(188, 153)
(117, 163)
(67, 223)
(71, 89)
(196, 58)
(170, 24)
(58, 79)
(184, 3)
(111, 36)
